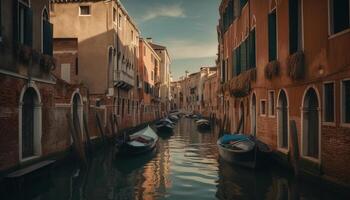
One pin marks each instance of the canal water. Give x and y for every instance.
(186, 165)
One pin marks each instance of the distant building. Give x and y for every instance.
(164, 75)
(107, 43)
(149, 71)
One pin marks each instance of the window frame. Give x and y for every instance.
(269, 92)
(261, 107)
(85, 15)
(324, 104)
(331, 33)
(342, 106)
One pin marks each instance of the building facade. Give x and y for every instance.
(165, 74)
(107, 40)
(149, 80)
(34, 102)
(279, 68)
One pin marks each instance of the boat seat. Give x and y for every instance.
(30, 169)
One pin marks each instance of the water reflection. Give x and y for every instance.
(185, 165)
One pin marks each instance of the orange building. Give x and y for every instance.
(280, 64)
(149, 79)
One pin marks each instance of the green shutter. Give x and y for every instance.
(238, 60)
(15, 23)
(252, 50)
(244, 56)
(47, 37)
(272, 36)
(234, 72)
(28, 27)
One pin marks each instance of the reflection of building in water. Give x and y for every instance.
(156, 175)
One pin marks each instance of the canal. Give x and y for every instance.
(186, 165)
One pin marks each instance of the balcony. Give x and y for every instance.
(123, 80)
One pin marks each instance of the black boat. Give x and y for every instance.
(164, 125)
(140, 142)
(243, 150)
(203, 124)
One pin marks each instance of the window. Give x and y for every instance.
(132, 36)
(243, 3)
(271, 103)
(152, 75)
(123, 103)
(295, 27)
(328, 90)
(251, 50)
(65, 72)
(120, 21)
(272, 36)
(145, 51)
(47, 34)
(339, 13)
(263, 107)
(128, 106)
(76, 66)
(118, 108)
(345, 97)
(24, 29)
(85, 10)
(114, 15)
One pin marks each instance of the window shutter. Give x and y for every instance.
(238, 60)
(244, 56)
(237, 8)
(28, 27)
(234, 72)
(252, 61)
(47, 37)
(15, 23)
(272, 36)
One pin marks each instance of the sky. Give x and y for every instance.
(186, 27)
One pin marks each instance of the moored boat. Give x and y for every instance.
(243, 150)
(203, 124)
(164, 125)
(140, 142)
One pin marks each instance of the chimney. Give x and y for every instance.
(149, 40)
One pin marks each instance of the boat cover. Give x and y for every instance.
(227, 138)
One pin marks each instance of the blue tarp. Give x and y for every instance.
(225, 139)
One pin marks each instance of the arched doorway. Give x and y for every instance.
(30, 130)
(283, 130)
(311, 122)
(77, 113)
(253, 115)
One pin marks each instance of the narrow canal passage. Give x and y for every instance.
(186, 165)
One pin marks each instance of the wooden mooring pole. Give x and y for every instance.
(77, 141)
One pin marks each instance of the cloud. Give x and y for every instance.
(185, 49)
(175, 11)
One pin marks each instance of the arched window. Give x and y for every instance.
(311, 124)
(46, 33)
(30, 123)
(283, 130)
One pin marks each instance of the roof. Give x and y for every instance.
(157, 46)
